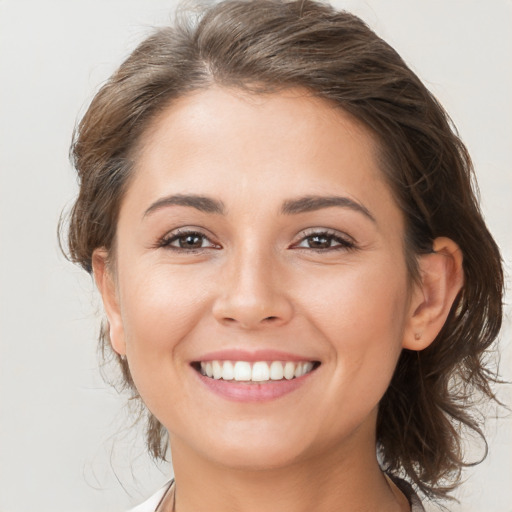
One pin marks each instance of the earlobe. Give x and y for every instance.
(106, 284)
(441, 279)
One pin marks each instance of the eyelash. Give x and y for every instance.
(345, 243)
(168, 239)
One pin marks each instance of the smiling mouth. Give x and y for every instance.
(259, 371)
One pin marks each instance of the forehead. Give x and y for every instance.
(217, 112)
(260, 147)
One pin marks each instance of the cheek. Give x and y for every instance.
(362, 322)
(361, 313)
(361, 298)
(159, 308)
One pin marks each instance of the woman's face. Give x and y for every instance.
(259, 239)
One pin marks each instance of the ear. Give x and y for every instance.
(441, 279)
(106, 284)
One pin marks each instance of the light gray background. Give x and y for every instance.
(58, 422)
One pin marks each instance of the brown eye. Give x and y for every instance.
(325, 242)
(187, 241)
(190, 241)
(319, 241)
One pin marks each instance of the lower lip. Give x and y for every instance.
(253, 391)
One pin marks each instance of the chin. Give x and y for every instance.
(251, 449)
(255, 458)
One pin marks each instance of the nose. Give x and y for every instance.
(252, 293)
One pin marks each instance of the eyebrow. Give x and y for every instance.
(201, 203)
(313, 203)
(290, 207)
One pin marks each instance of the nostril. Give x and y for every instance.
(269, 318)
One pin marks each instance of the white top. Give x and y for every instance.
(152, 503)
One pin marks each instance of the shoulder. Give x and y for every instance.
(151, 504)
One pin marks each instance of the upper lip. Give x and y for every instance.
(253, 356)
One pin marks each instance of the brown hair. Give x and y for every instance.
(268, 45)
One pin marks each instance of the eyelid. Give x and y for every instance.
(345, 241)
(325, 231)
(166, 240)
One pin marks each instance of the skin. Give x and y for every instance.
(256, 282)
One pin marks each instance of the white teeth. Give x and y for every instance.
(228, 371)
(276, 370)
(217, 370)
(260, 371)
(243, 371)
(289, 370)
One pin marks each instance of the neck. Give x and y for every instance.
(336, 481)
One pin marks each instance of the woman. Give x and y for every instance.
(296, 276)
